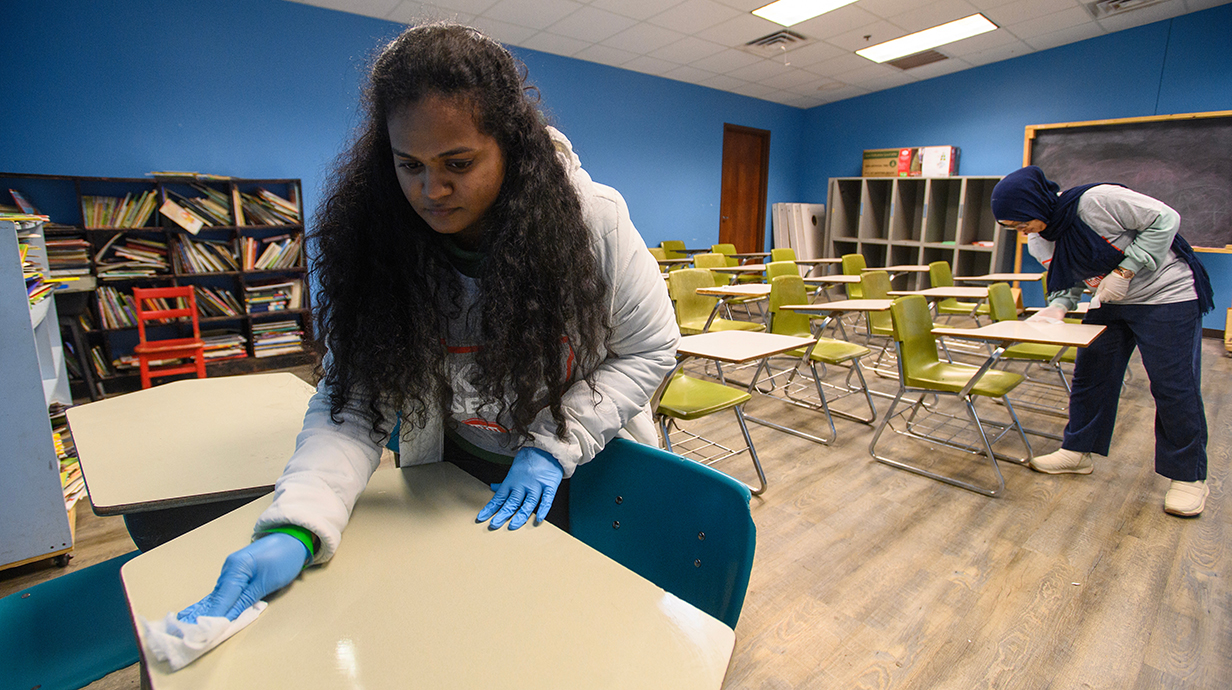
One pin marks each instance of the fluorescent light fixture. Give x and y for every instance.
(928, 38)
(789, 12)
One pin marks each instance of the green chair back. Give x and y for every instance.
(674, 249)
(682, 525)
(940, 275)
(1001, 304)
(913, 330)
(788, 289)
(682, 286)
(782, 254)
(726, 249)
(713, 260)
(876, 285)
(658, 253)
(775, 269)
(854, 265)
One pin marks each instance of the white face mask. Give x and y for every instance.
(1040, 248)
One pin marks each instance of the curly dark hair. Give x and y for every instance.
(387, 289)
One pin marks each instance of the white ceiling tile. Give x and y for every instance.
(722, 82)
(555, 44)
(821, 85)
(1146, 15)
(797, 101)
(846, 62)
(793, 79)
(989, 4)
(649, 65)
(877, 32)
(415, 13)
(978, 44)
(368, 8)
(536, 14)
(738, 30)
(814, 53)
(1195, 5)
(643, 38)
(465, 6)
(1039, 26)
(689, 73)
(841, 94)
(726, 61)
(839, 21)
(762, 70)
(937, 13)
(868, 72)
(1009, 50)
(637, 9)
(692, 16)
(606, 55)
(1066, 36)
(888, 81)
(744, 5)
(503, 31)
(754, 90)
(936, 69)
(1022, 10)
(888, 8)
(591, 24)
(686, 50)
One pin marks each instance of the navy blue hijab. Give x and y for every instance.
(1080, 252)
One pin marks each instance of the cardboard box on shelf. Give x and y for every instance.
(938, 161)
(880, 163)
(909, 162)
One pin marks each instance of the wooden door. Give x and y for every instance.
(742, 204)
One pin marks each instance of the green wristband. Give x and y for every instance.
(306, 537)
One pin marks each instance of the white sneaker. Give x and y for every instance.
(1062, 461)
(1186, 498)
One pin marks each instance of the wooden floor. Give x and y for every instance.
(872, 577)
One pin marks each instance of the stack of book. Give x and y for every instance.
(138, 257)
(276, 338)
(116, 309)
(267, 208)
(111, 212)
(211, 302)
(71, 480)
(212, 207)
(101, 366)
(272, 253)
(278, 295)
(38, 286)
(203, 256)
(68, 257)
(220, 345)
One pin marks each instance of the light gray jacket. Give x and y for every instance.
(332, 462)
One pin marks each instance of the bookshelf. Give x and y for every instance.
(243, 252)
(918, 220)
(34, 521)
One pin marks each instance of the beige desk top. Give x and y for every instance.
(750, 255)
(673, 262)
(816, 262)
(741, 268)
(1001, 278)
(737, 347)
(900, 268)
(738, 290)
(1080, 309)
(838, 278)
(1071, 334)
(826, 308)
(421, 596)
(188, 442)
(946, 291)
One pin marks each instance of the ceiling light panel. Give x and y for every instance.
(790, 12)
(929, 38)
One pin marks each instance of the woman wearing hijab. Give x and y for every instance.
(1150, 293)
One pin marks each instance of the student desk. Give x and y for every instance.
(736, 291)
(185, 452)
(1001, 278)
(824, 283)
(898, 269)
(830, 311)
(420, 595)
(745, 256)
(813, 264)
(740, 268)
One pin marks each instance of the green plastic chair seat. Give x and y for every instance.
(953, 306)
(944, 376)
(695, 326)
(1038, 351)
(831, 351)
(690, 398)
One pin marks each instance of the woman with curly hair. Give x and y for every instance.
(474, 280)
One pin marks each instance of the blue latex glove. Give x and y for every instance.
(532, 481)
(248, 575)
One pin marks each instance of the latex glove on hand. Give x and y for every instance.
(531, 482)
(1053, 313)
(1112, 288)
(248, 575)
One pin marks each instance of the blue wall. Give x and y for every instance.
(266, 88)
(1174, 66)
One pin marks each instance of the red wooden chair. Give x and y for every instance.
(173, 348)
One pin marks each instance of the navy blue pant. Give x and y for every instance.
(1169, 336)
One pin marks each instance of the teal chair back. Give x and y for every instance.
(682, 525)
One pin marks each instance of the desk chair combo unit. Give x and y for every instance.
(921, 372)
(940, 275)
(800, 383)
(711, 260)
(698, 313)
(1036, 394)
(153, 355)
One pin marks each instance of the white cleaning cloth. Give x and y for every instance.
(179, 643)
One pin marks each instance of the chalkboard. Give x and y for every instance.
(1184, 161)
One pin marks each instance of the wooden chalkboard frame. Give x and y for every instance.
(1033, 130)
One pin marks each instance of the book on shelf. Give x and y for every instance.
(68, 256)
(23, 203)
(115, 309)
(276, 295)
(272, 253)
(212, 206)
(211, 302)
(72, 482)
(181, 216)
(203, 256)
(222, 345)
(113, 212)
(267, 208)
(102, 367)
(181, 175)
(272, 338)
(137, 257)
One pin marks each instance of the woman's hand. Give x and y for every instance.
(248, 575)
(532, 481)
